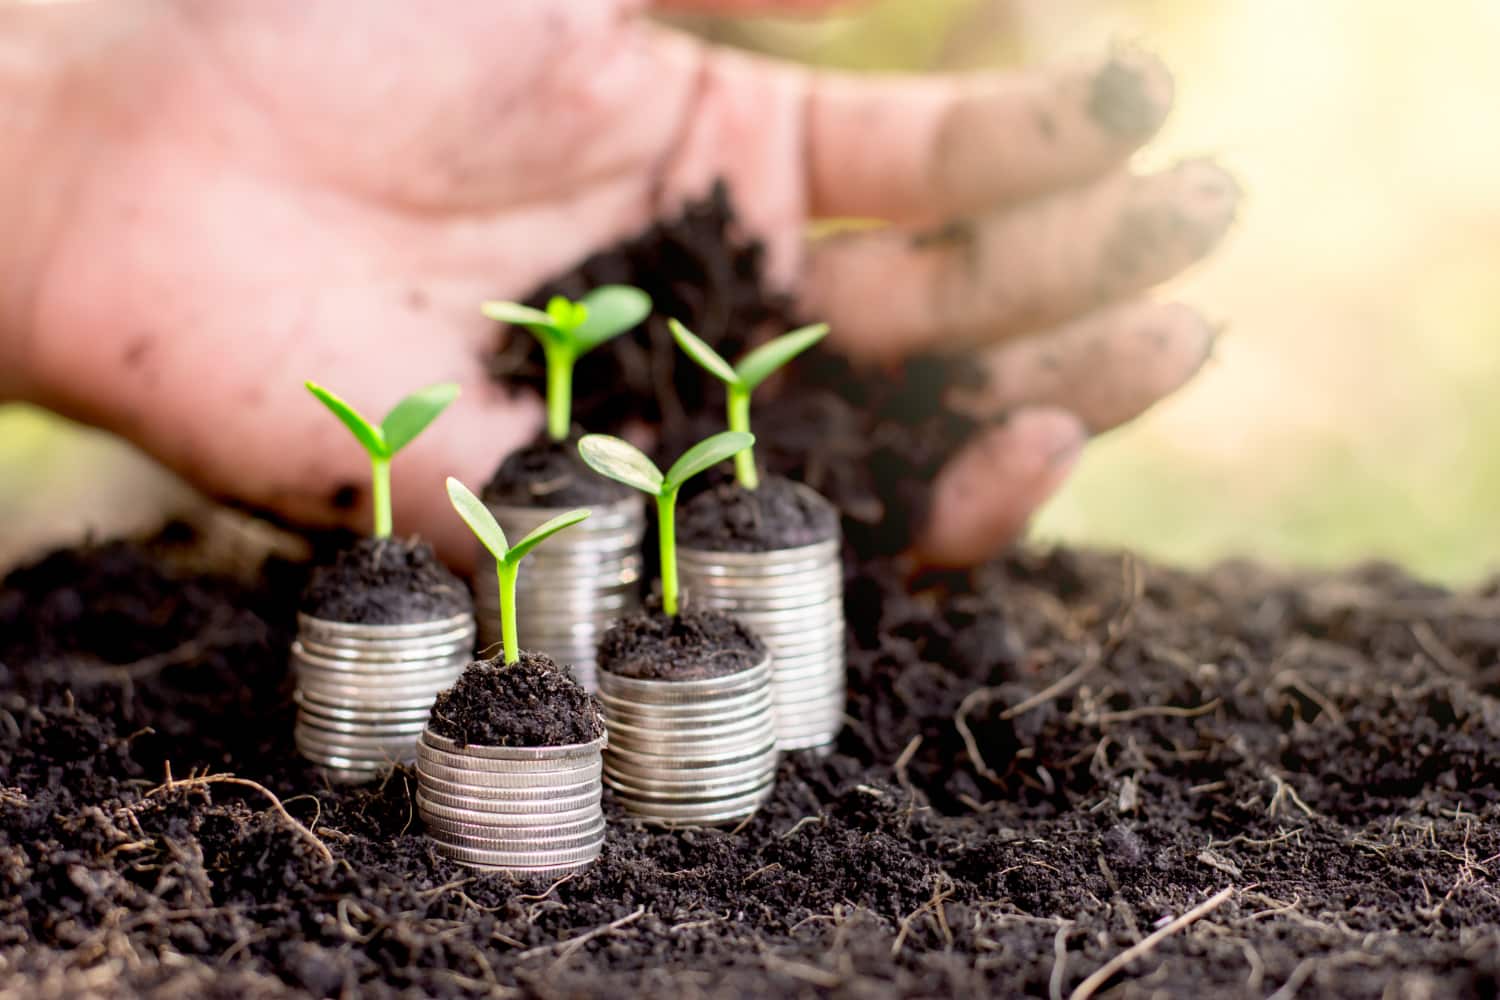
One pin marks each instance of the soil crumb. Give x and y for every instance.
(779, 514)
(530, 703)
(550, 473)
(385, 581)
(694, 645)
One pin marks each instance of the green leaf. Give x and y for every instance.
(566, 315)
(368, 435)
(539, 323)
(611, 310)
(621, 461)
(542, 532)
(411, 416)
(758, 365)
(708, 358)
(479, 519)
(706, 454)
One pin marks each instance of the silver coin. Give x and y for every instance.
(520, 861)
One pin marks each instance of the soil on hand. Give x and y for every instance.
(385, 581)
(779, 514)
(550, 473)
(530, 703)
(691, 646)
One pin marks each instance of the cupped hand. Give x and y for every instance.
(265, 191)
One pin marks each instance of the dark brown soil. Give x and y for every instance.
(385, 581)
(692, 646)
(530, 703)
(550, 474)
(776, 515)
(1050, 764)
(1045, 761)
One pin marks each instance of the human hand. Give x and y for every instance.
(256, 193)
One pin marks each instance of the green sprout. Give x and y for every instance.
(507, 557)
(743, 378)
(625, 463)
(569, 330)
(400, 427)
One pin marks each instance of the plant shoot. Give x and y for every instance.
(742, 379)
(507, 557)
(381, 441)
(625, 463)
(568, 330)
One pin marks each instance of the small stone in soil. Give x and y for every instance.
(530, 703)
(385, 581)
(694, 645)
(779, 514)
(549, 473)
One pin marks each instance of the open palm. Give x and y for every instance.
(270, 191)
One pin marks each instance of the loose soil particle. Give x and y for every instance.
(386, 581)
(530, 703)
(548, 473)
(691, 646)
(776, 515)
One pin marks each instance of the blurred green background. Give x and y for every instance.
(1350, 411)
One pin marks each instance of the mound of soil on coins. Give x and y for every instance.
(1061, 774)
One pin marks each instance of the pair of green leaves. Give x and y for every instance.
(757, 365)
(625, 463)
(400, 427)
(577, 327)
(480, 521)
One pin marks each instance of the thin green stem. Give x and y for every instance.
(666, 513)
(559, 391)
(380, 494)
(739, 420)
(506, 572)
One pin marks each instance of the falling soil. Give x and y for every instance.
(690, 646)
(778, 514)
(550, 473)
(1061, 774)
(385, 581)
(530, 703)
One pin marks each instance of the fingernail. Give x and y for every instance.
(1208, 196)
(1130, 95)
(1054, 434)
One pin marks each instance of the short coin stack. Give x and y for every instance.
(793, 599)
(690, 752)
(571, 589)
(521, 809)
(364, 691)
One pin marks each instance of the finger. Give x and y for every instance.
(983, 498)
(894, 291)
(1106, 368)
(901, 149)
(754, 6)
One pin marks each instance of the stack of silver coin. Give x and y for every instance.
(571, 589)
(364, 691)
(690, 752)
(794, 600)
(520, 809)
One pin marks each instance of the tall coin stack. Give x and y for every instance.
(793, 599)
(520, 809)
(690, 752)
(573, 588)
(364, 691)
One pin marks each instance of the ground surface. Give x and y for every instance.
(1064, 774)
(1038, 771)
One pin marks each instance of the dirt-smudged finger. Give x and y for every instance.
(983, 498)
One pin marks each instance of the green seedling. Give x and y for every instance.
(625, 463)
(400, 427)
(742, 379)
(567, 331)
(507, 557)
